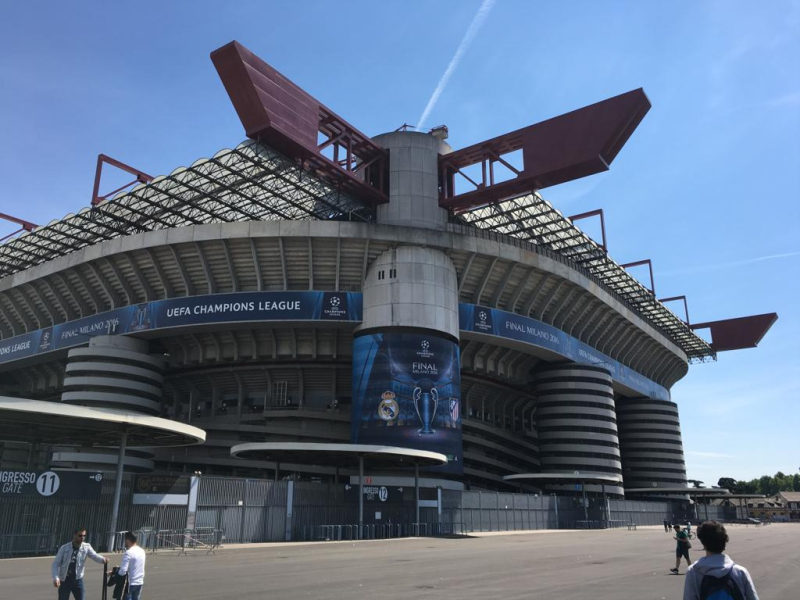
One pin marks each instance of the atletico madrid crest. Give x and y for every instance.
(454, 414)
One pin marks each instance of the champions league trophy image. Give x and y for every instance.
(426, 400)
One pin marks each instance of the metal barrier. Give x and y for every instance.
(604, 524)
(384, 531)
(27, 543)
(117, 541)
(449, 529)
(183, 540)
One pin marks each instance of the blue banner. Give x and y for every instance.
(407, 393)
(491, 321)
(191, 310)
(257, 306)
(305, 306)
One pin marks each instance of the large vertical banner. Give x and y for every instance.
(407, 392)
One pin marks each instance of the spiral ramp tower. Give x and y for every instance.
(651, 445)
(111, 372)
(577, 424)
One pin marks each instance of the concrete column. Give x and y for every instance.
(117, 491)
(585, 504)
(360, 495)
(416, 491)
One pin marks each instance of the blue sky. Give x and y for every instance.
(708, 187)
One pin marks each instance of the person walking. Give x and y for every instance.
(666, 526)
(682, 549)
(716, 575)
(68, 566)
(132, 565)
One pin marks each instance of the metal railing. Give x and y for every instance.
(27, 544)
(383, 531)
(603, 524)
(183, 540)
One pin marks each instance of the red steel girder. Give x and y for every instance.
(23, 225)
(276, 111)
(102, 159)
(579, 143)
(685, 304)
(736, 334)
(594, 213)
(640, 263)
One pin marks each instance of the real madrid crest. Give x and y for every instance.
(388, 407)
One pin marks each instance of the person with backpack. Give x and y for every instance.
(682, 549)
(716, 576)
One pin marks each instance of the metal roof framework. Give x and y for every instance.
(251, 182)
(254, 182)
(533, 219)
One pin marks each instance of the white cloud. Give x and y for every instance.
(466, 41)
(708, 454)
(728, 265)
(790, 99)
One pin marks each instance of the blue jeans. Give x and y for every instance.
(71, 585)
(134, 592)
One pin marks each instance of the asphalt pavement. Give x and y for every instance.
(557, 565)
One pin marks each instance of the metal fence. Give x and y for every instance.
(239, 510)
(247, 510)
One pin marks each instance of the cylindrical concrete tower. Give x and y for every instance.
(114, 372)
(577, 424)
(412, 286)
(413, 180)
(406, 367)
(650, 441)
(111, 372)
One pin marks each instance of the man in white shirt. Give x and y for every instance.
(133, 565)
(68, 566)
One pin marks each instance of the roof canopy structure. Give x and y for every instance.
(37, 421)
(567, 147)
(251, 182)
(338, 455)
(735, 334)
(303, 161)
(278, 112)
(535, 220)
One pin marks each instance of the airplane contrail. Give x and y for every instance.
(466, 41)
(735, 263)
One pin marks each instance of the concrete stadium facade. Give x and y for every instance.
(525, 407)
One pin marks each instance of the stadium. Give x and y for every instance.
(317, 285)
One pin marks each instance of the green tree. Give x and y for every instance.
(796, 482)
(729, 483)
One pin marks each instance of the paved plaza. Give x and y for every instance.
(561, 565)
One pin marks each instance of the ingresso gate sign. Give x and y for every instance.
(50, 484)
